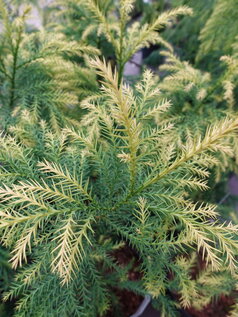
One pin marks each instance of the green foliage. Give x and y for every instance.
(220, 30)
(207, 35)
(70, 199)
(125, 37)
(73, 19)
(195, 289)
(185, 37)
(5, 270)
(90, 165)
(6, 273)
(198, 99)
(34, 72)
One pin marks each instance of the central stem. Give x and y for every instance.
(15, 51)
(120, 55)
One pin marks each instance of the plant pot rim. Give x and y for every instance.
(145, 303)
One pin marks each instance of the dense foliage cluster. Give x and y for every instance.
(92, 162)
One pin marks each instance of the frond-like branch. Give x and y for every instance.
(70, 249)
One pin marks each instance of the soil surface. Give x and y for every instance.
(128, 302)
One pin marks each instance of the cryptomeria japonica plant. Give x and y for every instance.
(68, 200)
(123, 177)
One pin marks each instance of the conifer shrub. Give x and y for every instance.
(69, 199)
(197, 96)
(126, 173)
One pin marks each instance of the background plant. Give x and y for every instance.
(115, 24)
(35, 73)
